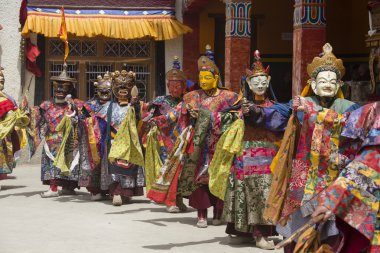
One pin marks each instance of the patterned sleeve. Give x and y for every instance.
(169, 120)
(38, 128)
(352, 197)
(360, 121)
(274, 118)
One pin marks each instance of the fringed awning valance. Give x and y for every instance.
(117, 24)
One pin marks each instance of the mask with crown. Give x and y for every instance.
(326, 72)
(124, 85)
(103, 87)
(258, 78)
(208, 71)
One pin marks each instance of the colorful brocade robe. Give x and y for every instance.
(210, 125)
(316, 162)
(160, 139)
(354, 196)
(12, 121)
(124, 164)
(187, 165)
(45, 119)
(250, 177)
(165, 115)
(92, 145)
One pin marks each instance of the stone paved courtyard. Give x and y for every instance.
(76, 224)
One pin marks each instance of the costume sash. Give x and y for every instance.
(126, 145)
(229, 145)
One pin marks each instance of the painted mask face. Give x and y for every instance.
(123, 84)
(176, 88)
(103, 88)
(258, 84)
(326, 84)
(61, 90)
(2, 80)
(207, 80)
(104, 93)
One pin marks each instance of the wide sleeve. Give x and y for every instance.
(353, 196)
(273, 118)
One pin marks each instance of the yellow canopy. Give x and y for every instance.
(117, 24)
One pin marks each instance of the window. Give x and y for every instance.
(89, 58)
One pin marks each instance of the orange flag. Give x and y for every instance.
(63, 34)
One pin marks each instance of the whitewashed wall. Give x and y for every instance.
(10, 46)
(174, 47)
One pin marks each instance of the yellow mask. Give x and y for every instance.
(207, 80)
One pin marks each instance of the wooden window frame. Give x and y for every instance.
(99, 58)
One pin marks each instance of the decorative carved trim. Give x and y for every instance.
(309, 13)
(238, 19)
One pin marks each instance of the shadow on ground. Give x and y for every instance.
(151, 209)
(85, 197)
(11, 187)
(161, 222)
(221, 240)
(22, 194)
(154, 209)
(11, 177)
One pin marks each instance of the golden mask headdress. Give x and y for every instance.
(326, 62)
(176, 73)
(257, 67)
(206, 62)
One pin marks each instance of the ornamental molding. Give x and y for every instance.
(309, 13)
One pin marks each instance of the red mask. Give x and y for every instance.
(176, 88)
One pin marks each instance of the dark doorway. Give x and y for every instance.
(219, 44)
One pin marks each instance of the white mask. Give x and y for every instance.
(258, 84)
(326, 84)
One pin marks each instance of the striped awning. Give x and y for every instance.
(122, 23)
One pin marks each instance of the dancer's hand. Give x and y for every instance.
(193, 112)
(152, 123)
(299, 104)
(134, 100)
(245, 106)
(321, 213)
